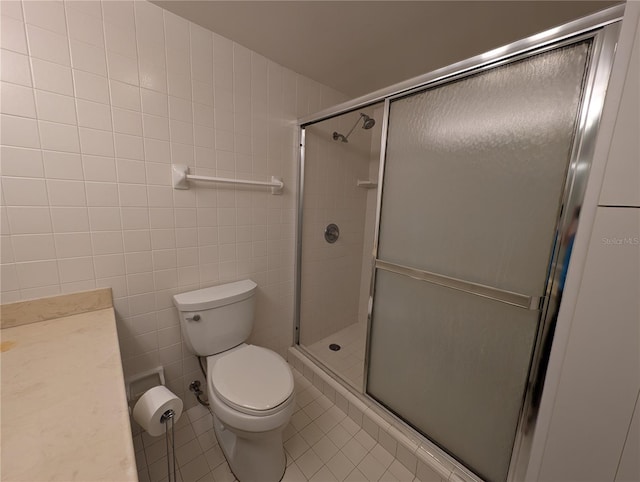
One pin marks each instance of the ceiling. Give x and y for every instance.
(357, 47)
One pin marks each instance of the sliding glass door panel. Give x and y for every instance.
(475, 170)
(474, 176)
(453, 365)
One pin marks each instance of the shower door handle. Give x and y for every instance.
(497, 294)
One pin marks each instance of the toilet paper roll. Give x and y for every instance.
(152, 405)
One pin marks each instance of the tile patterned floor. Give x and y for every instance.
(349, 360)
(322, 445)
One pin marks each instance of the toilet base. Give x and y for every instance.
(252, 457)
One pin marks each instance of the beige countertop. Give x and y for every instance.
(64, 410)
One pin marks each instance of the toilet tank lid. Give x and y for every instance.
(215, 296)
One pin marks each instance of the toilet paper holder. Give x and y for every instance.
(156, 411)
(168, 415)
(139, 383)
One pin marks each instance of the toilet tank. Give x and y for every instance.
(218, 318)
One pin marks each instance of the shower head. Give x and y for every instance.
(368, 123)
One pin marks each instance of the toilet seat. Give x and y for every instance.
(252, 380)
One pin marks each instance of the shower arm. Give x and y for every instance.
(354, 126)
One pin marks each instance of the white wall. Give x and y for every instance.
(587, 430)
(98, 99)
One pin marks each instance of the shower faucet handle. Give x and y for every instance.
(331, 233)
(193, 318)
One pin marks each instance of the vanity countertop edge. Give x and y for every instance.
(64, 408)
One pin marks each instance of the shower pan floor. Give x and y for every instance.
(348, 361)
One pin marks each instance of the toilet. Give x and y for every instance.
(250, 388)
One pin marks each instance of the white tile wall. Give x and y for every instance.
(98, 98)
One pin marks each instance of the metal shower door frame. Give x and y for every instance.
(597, 75)
(604, 28)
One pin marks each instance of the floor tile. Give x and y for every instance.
(336, 413)
(207, 440)
(350, 426)
(314, 392)
(325, 449)
(340, 466)
(137, 443)
(143, 475)
(214, 456)
(296, 446)
(304, 397)
(354, 451)
(326, 421)
(324, 402)
(223, 473)
(150, 439)
(158, 469)
(381, 455)
(314, 409)
(207, 478)
(365, 440)
(390, 477)
(178, 478)
(309, 463)
(323, 475)
(197, 412)
(202, 425)
(371, 468)
(184, 434)
(293, 474)
(300, 420)
(311, 433)
(195, 469)
(289, 431)
(187, 452)
(156, 451)
(339, 436)
(356, 476)
(141, 459)
(400, 472)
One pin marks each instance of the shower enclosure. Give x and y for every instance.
(341, 171)
(434, 242)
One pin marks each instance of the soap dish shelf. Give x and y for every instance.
(365, 184)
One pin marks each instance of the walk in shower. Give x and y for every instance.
(341, 172)
(436, 221)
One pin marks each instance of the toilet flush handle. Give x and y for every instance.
(193, 318)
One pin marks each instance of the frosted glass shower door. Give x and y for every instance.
(474, 175)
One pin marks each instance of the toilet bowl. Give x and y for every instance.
(250, 388)
(251, 394)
